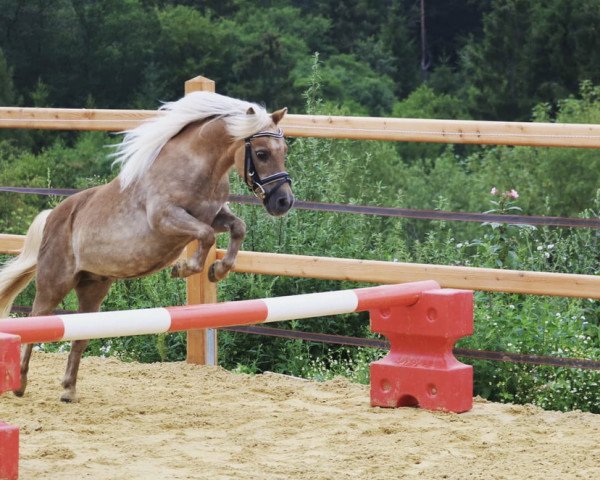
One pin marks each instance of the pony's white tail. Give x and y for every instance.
(18, 272)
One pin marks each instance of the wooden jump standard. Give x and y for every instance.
(421, 321)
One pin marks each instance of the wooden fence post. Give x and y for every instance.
(201, 344)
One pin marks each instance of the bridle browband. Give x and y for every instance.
(251, 176)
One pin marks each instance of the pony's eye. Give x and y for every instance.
(262, 155)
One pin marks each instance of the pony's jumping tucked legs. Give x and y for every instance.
(175, 221)
(227, 221)
(185, 268)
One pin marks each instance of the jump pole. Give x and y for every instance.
(421, 321)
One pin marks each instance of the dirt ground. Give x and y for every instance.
(177, 421)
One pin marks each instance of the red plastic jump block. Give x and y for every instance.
(10, 379)
(420, 369)
(9, 452)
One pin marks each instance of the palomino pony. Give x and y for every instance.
(172, 189)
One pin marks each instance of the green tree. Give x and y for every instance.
(7, 91)
(530, 52)
(398, 33)
(351, 83)
(78, 48)
(29, 39)
(424, 102)
(115, 46)
(188, 43)
(352, 21)
(267, 46)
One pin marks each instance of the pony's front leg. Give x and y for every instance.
(190, 266)
(173, 220)
(226, 221)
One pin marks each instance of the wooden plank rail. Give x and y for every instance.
(11, 244)
(444, 131)
(320, 126)
(470, 278)
(373, 271)
(72, 118)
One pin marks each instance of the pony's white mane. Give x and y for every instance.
(141, 145)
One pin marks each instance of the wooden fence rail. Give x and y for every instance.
(355, 128)
(373, 271)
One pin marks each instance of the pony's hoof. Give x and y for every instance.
(212, 275)
(177, 271)
(19, 392)
(68, 397)
(182, 270)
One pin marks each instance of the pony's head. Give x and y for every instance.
(261, 164)
(259, 144)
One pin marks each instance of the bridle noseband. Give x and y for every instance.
(251, 176)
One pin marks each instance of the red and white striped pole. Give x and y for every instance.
(80, 326)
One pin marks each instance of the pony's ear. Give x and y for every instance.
(278, 115)
(250, 111)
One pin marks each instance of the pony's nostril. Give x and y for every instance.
(279, 205)
(285, 203)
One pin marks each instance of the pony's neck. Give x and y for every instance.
(214, 141)
(197, 159)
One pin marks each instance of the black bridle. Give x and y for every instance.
(251, 176)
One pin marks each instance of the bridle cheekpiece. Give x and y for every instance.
(251, 176)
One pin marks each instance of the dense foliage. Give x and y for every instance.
(499, 57)
(502, 59)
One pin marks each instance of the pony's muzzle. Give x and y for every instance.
(280, 202)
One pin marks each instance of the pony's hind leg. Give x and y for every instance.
(70, 378)
(46, 300)
(25, 357)
(90, 293)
